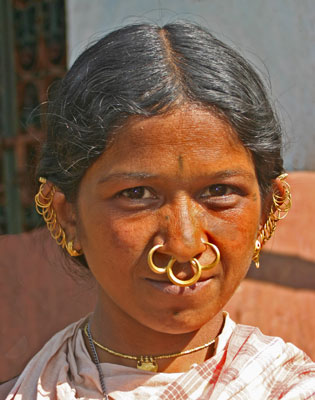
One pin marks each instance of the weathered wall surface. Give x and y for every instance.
(279, 35)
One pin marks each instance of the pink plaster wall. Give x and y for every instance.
(38, 298)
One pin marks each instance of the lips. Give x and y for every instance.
(169, 288)
(180, 273)
(201, 279)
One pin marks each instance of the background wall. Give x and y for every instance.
(280, 297)
(277, 36)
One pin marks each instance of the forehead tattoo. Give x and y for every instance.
(180, 162)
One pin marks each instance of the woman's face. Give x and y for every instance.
(176, 180)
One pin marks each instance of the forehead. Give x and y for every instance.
(184, 125)
(189, 127)
(186, 137)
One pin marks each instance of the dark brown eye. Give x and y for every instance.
(217, 191)
(136, 193)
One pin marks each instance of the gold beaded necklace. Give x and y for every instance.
(147, 363)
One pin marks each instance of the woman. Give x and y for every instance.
(162, 174)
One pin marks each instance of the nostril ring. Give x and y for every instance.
(154, 268)
(217, 257)
(180, 282)
(169, 269)
(198, 268)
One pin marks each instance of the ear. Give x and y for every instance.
(265, 207)
(66, 217)
(278, 188)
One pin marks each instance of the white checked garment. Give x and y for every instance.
(246, 365)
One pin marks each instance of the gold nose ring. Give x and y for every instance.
(180, 282)
(198, 268)
(217, 257)
(154, 268)
(169, 269)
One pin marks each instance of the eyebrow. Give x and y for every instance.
(233, 172)
(131, 176)
(127, 176)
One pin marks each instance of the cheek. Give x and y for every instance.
(131, 234)
(105, 236)
(235, 235)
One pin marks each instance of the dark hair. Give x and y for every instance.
(148, 70)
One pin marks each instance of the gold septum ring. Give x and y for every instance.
(197, 267)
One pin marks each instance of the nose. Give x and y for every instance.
(183, 234)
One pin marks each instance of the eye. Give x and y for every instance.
(136, 193)
(218, 191)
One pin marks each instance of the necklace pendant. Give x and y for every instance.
(146, 363)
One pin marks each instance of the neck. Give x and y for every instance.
(120, 332)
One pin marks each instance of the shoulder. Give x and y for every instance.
(62, 341)
(6, 387)
(280, 366)
(51, 360)
(249, 339)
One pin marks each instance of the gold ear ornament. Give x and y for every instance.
(73, 252)
(281, 204)
(44, 207)
(43, 204)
